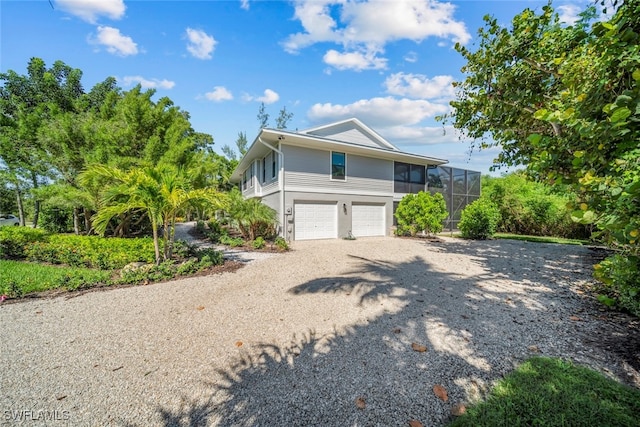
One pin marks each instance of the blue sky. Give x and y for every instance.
(389, 63)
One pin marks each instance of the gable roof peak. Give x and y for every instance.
(351, 130)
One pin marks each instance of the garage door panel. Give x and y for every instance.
(368, 220)
(315, 220)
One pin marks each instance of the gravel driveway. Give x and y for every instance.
(297, 338)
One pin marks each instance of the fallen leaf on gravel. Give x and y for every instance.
(415, 423)
(238, 343)
(458, 409)
(397, 330)
(61, 397)
(200, 307)
(575, 318)
(418, 347)
(360, 403)
(534, 349)
(441, 392)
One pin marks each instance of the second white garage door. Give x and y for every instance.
(368, 220)
(315, 220)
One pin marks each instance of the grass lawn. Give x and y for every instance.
(555, 392)
(541, 239)
(21, 278)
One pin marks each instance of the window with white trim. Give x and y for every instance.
(338, 166)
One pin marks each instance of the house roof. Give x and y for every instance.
(350, 136)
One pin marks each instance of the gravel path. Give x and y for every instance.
(294, 339)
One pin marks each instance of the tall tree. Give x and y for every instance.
(565, 102)
(263, 116)
(283, 118)
(26, 103)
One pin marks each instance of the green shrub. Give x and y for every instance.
(210, 255)
(620, 276)
(56, 219)
(281, 243)
(421, 212)
(532, 208)
(91, 251)
(200, 227)
(258, 243)
(479, 219)
(14, 241)
(234, 242)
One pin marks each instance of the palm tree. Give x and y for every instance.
(249, 215)
(161, 192)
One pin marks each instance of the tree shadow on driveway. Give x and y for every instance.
(478, 320)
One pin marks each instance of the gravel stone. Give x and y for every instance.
(320, 326)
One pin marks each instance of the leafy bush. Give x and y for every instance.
(91, 251)
(210, 255)
(258, 243)
(479, 219)
(620, 276)
(234, 242)
(421, 212)
(14, 241)
(281, 243)
(56, 219)
(532, 208)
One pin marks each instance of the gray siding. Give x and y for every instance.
(310, 170)
(347, 133)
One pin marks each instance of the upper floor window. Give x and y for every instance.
(408, 178)
(251, 175)
(274, 168)
(264, 170)
(244, 179)
(338, 165)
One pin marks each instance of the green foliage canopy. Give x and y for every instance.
(421, 212)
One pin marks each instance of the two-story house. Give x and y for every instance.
(342, 178)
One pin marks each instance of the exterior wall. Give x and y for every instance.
(255, 186)
(309, 170)
(344, 215)
(273, 201)
(346, 132)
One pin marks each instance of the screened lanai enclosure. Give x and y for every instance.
(459, 187)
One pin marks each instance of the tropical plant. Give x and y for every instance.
(160, 192)
(479, 219)
(421, 213)
(251, 217)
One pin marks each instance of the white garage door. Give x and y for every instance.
(315, 220)
(368, 220)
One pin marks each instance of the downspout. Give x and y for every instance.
(280, 183)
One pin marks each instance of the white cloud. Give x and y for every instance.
(379, 112)
(114, 42)
(89, 11)
(269, 97)
(148, 83)
(568, 13)
(200, 44)
(419, 86)
(367, 26)
(219, 94)
(244, 4)
(421, 135)
(357, 61)
(411, 57)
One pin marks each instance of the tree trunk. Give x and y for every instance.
(165, 235)
(87, 221)
(156, 244)
(36, 202)
(20, 206)
(76, 221)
